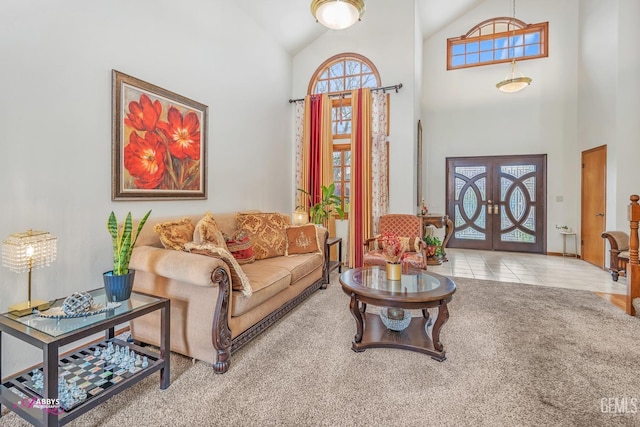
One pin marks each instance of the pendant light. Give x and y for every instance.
(513, 82)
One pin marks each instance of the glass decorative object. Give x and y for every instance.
(396, 319)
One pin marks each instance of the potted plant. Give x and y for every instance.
(433, 244)
(118, 282)
(320, 211)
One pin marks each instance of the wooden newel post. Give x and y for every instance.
(633, 269)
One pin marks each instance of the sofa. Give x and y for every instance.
(218, 305)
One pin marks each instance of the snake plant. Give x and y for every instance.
(123, 241)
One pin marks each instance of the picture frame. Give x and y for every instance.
(159, 143)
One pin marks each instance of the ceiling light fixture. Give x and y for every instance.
(337, 14)
(511, 82)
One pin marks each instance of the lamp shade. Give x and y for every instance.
(300, 217)
(337, 14)
(513, 83)
(22, 252)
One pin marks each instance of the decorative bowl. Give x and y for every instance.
(396, 319)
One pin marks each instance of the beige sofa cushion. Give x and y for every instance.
(266, 231)
(298, 266)
(266, 281)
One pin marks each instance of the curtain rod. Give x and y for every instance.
(382, 88)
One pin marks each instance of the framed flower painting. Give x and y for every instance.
(159, 142)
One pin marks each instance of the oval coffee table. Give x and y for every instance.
(418, 290)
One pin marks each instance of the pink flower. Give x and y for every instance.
(391, 247)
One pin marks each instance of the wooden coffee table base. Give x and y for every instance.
(371, 332)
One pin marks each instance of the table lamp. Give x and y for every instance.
(300, 217)
(23, 252)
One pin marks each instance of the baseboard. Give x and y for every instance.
(560, 254)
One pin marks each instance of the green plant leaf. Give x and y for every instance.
(123, 241)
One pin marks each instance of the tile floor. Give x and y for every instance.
(533, 269)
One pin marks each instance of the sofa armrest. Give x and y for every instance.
(183, 266)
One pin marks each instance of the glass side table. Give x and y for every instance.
(50, 334)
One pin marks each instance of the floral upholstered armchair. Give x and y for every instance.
(406, 226)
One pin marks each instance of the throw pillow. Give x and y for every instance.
(175, 234)
(409, 244)
(207, 231)
(266, 232)
(239, 280)
(240, 247)
(302, 239)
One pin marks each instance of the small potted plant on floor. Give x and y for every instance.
(118, 282)
(434, 245)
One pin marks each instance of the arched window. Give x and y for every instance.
(337, 76)
(498, 40)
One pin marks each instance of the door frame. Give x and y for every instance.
(541, 196)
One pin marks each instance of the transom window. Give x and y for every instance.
(336, 76)
(498, 40)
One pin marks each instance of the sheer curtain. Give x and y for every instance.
(300, 170)
(379, 158)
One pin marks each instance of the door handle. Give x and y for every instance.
(489, 202)
(496, 209)
(600, 214)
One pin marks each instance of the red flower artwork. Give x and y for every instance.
(164, 150)
(183, 134)
(144, 159)
(143, 115)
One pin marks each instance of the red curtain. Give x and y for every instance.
(315, 150)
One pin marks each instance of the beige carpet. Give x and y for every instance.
(518, 355)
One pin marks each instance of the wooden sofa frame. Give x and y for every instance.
(224, 345)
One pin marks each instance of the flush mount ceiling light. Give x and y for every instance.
(337, 14)
(511, 82)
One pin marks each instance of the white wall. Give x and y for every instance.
(465, 115)
(386, 36)
(627, 110)
(597, 80)
(55, 119)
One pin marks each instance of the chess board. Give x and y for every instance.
(91, 373)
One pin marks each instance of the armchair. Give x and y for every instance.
(619, 253)
(406, 226)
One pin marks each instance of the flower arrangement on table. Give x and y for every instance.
(392, 247)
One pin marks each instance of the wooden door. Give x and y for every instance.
(498, 203)
(593, 205)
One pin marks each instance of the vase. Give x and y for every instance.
(394, 318)
(394, 271)
(118, 288)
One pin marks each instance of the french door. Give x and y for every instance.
(498, 203)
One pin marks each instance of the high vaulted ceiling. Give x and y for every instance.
(291, 24)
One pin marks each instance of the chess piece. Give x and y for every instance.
(138, 360)
(145, 362)
(96, 353)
